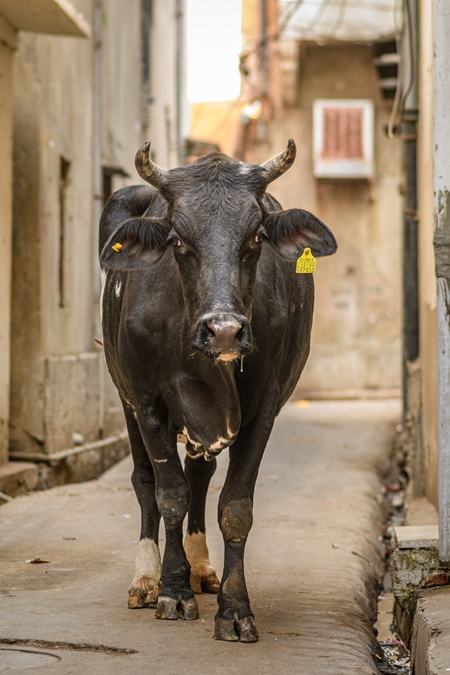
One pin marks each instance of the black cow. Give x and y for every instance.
(206, 330)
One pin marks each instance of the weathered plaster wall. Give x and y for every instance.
(52, 266)
(61, 393)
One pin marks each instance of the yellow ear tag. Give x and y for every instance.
(306, 264)
(117, 247)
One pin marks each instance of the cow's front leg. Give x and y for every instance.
(176, 599)
(203, 576)
(234, 619)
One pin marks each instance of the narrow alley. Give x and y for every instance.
(312, 563)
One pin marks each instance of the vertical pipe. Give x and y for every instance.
(98, 176)
(97, 132)
(264, 52)
(442, 260)
(179, 81)
(410, 225)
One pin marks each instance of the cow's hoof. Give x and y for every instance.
(235, 629)
(172, 609)
(143, 593)
(204, 583)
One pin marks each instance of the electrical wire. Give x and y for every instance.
(412, 56)
(398, 88)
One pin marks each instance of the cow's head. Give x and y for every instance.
(216, 222)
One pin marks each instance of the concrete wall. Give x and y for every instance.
(52, 264)
(68, 113)
(357, 325)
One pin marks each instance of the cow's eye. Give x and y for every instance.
(175, 240)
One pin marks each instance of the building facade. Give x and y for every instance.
(81, 108)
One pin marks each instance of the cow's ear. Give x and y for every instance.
(135, 244)
(291, 231)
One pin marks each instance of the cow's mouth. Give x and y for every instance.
(228, 357)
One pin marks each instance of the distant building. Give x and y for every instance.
(326, 75)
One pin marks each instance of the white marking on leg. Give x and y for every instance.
(148, 562)
(197, 553)
(160, 461)
(118, 288)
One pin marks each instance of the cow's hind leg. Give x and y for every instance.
(203, 576)
(145, 586)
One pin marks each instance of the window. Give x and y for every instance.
(343, 138)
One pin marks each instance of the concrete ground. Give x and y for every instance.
(312, 559)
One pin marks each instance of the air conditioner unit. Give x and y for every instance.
(343, 138)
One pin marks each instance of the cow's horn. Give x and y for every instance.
(147, 169)
(279, 164)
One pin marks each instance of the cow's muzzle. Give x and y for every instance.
(223, 336)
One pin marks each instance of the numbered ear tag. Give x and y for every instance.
(306, 264)
(117, 247)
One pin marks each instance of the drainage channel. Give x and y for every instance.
(396, 659)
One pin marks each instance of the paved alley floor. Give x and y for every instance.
(311, 562)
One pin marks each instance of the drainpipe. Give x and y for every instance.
(179, 79)
(97, 132)
(97, 177)
(410, 225)
(442, 260)
(264, 51)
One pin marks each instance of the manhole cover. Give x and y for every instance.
(13, 659)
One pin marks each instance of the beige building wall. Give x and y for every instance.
(52, 355)
(67, 112)
(356, 337)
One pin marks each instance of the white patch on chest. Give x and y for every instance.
(221, 443)
(194, 444)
